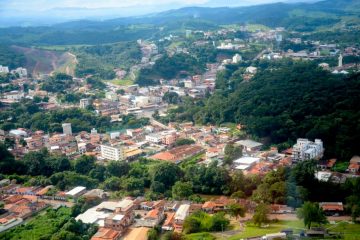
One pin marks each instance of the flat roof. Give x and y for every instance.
(182, 212)
(249, 143)
(75, 190)
(246, 160)
(118, 217)
(242, 167)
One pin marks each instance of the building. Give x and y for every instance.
(4, 69)
(14, 95)
(245, 163)
(178, 154)
(180, 216)
(307, 150)
(354, 165)
(332, 208)
(67, 130)
(249, 147)
(22, 72)
(236, 58)
(84, 103)
(115, 153)
(76, 192)
(106, 234)
(251, 70)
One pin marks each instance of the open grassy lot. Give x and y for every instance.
(200, 236)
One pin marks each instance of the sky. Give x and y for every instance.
(47, 12)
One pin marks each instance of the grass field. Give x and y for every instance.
(122, 82)
(200, 236)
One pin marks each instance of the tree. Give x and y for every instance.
(171, 97)
(231, 153)
(166, 173)
(182, 190)
(235, 210)
(261, 214)
(84, 164)
(311, 213)
(152, 234)
(118, 168)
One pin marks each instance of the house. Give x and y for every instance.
(354, 165)
(332, 208)
(180, 216)
(178, 154)
(106, 234)
(281, 209)
(245, 163)
(169, 222)
(152, 218)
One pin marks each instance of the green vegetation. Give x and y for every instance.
(203, 222)
(57, 83)
(54, 225)
(311, 213)
(284, 101)
(101, 60)
(9, 57)
(168, 67)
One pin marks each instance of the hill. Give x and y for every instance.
(303, 17)
(46, 61)
(286, 100)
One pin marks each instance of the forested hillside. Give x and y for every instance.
(286, 101)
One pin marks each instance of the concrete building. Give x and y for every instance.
(236, 58)
(180, 215)
(249, 147)
(14, 95)
(115, 153)
(21, 71)
(84, 103)
(67, 130)
(76, 192)
(305, 149)
(4, 69)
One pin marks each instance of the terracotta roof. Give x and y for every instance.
(332, 206)
(169, 219)
(106, 234)
(153, 214)
(331, 163)
(354, 166)
(209, 204)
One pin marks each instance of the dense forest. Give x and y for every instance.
(169, 67)
(10, 58)
(284, 101)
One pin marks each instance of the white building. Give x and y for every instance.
(188, 84)
(21, 71)
(111, 96)
(14, 95)
(141, 101)
(305, 149)
(76, 192)
(245, 163)
(236, 58)
(182, 213)
(115, 153)
(251, 70)
(67, 130)
(154, 138)
(84, 103)
(4, 69)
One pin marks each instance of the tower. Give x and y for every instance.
(340, 60)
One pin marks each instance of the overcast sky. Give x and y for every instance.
(42, 5)
(47, 12)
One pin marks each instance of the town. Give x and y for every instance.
(168, 141)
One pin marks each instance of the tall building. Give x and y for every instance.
(340, 60)
(67, 128)
(84, 103)
(115, 153)
(237, 58)
(305, 149)
(4, 69)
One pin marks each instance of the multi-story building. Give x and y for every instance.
(67, 130)
(84, 103)
(115, 153)
(4, 69)
(305, 149)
